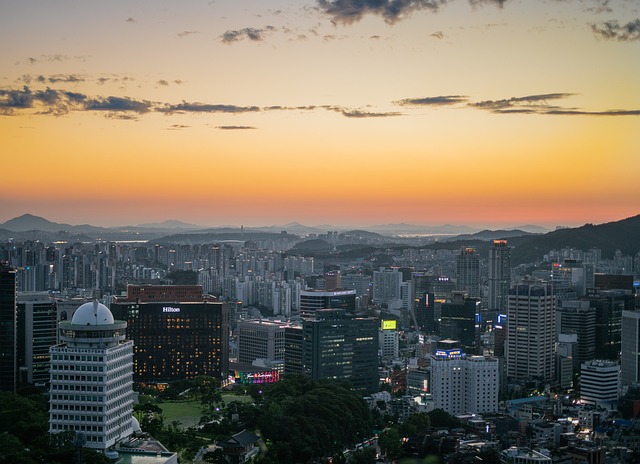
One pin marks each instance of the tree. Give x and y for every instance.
(390, 444)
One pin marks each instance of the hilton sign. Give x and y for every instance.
(170, 309)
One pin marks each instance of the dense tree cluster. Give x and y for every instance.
(304, 419)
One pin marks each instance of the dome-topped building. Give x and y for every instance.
(92, 313)
(92, 378)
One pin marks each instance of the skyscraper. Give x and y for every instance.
(630, 360)
(37, 331)
(337, 345)
(313, 300)
(499, 275)
(468, 272)
(8, 331)
(91, 390)
(530, 331)
(458, 321)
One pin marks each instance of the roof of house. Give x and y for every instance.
(240, 440)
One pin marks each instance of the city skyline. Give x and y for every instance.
(483, 113)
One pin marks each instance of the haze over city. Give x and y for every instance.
(484, 113)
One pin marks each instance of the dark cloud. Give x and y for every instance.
(355, 113)
(186, 107)
(178, 127)
(349, 11)
(534, 103)
(53, 79)
(250, 33)
(595, 113)
(16, 98)
(498, 3)
(162, 82)
(613, 30)
(433, 101)
(438, 35)
(102, 80)
(235, 127)
(117, 104)
(131, 20)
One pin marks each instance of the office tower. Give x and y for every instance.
(571, 274)
(388, 340)
(337, 345)
(91, 386)
(386, 285)
(577, 317)
(425, 312)
(313, 300)
(37, 331)
(332, 280)
(630, 358)
(260, 339)
(600, 383)
(565, 357)
(468, 272)
(293, 357)
(530, 331)
(162, 293)
(361, 283)
(499, 275)
(464, 384)
(608, 306)
(8, 328)
(458, 321)
(613, 281)
(175, 341)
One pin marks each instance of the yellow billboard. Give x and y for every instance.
(389, 325)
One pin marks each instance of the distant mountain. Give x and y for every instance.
(531, 228)
(621, 235)
(488, 235)
(28, 222)
(170, 224)
(315, 245)
(405, 229)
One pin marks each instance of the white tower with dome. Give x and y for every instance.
(91, 390)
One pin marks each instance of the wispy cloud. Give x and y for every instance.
(186, 107)
(613, 30)
(529, 103)
(349, 11)
(186, 33)
(433, 101)
(118, 104)
(251, 33)
(53, 79)
(235, 127)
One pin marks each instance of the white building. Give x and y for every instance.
(530, 340)
(386, 286)
(91, 390)
(462, 385)
(388, 341)
(600, 383)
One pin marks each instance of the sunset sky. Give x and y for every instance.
(345, 112)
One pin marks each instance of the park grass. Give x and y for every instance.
(187, 413)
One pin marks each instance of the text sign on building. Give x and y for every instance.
(449, 353)
(389, 325)
(170, 309)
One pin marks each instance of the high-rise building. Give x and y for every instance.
(386, 285)
(37, 331)
(8, 328)
(425, 311)
(577, 317)
(337, 345)
(499, 275)
(464, 384)
(458, 321)
(468, 272)
(388, 340)
(600, 383)
(630, 357)
(565, 349)
(530, 331)
(175, 341)
(313, 300)
(258, 339)
(91, 385)
(608, 306)
(293, 357)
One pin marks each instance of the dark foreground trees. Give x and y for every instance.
(303, 419)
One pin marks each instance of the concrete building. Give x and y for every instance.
(531, 331)
(468, 272)
(91, 383)
(600, 383)
(258, 339)
(386, 286)
(458, 321)
(499, 275)
(577, 317)
(388, 340)
(461, 385)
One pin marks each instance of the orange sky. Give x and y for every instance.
(237, 113)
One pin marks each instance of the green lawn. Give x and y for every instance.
(188, 413)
